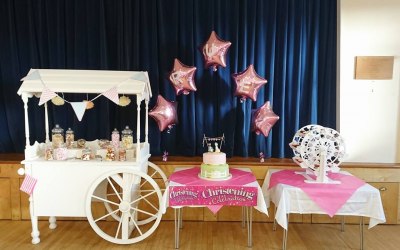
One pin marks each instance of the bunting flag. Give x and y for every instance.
(47, 94)
(139, 76)
(35, 75)
(79, 109)
(28, 184)
(112, 94)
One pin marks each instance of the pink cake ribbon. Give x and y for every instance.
(194, 186)
(329, 197)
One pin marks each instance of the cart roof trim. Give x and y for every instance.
(86, 81)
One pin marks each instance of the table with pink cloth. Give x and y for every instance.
(290, 194)
(187, 189)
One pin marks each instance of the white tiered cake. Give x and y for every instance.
(214, 166)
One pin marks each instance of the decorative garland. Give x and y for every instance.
(78, 107)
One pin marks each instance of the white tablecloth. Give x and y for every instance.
(261, 205)
(366, 201)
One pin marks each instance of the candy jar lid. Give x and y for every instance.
(57, 129)
(69, 131)
(115, 131)
(127, 131)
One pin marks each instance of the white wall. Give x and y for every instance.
(369, 110)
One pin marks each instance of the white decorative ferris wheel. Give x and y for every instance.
(318, 150)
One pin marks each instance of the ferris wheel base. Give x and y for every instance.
(310, 178)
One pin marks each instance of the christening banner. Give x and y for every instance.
(212, 195)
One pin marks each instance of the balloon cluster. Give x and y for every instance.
(247, 82)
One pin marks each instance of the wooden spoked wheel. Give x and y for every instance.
(153, 172)
(134, 201)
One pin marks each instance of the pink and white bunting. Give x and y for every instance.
(112, 94)
(47, 95)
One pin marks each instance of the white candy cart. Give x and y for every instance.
(120, 199)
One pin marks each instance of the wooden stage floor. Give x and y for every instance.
(202, 235)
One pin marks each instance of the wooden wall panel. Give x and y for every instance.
(14, 204)
(5, 198)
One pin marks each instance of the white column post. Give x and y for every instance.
(147, 122)
(138, 102)
(25, 97)
(46, 122)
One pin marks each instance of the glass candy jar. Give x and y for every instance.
(86, 153)
(61, 153)
(57, 136)
(115, 138)
(122, 154)
(69, 138)
(110, 155)
(48, 152)
(81, 143)
(127, 138)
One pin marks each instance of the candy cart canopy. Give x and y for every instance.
(86, 81)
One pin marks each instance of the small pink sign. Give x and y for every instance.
(213, 195)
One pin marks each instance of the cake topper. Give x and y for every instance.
(209, 147)
(218, 141)
(216, 148)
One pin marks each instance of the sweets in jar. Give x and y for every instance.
(122, 154)
(81, 143)
(127, 138)
(110, 155)
(104, 143)
(61, 153)
(69, 138)
(57, 136)
(48, 152)
(86, 153)
(115, 138)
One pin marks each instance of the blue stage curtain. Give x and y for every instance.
(291, 43)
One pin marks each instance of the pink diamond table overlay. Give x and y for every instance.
(329, 197)
(213, 194)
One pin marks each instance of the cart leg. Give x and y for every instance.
(285, 234)
(34, 220)
(274, 225)
(342, 224)
(52, 221)
(180, 218)
(177, 218)
(249, 212)
(243, 216)
(361, 232)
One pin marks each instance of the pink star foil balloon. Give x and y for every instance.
(263, 119)
(214, 51)
(182, 78)
(248, 83)
(164, 112)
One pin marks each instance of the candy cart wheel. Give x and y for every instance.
(133, 203)
(153, 172)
